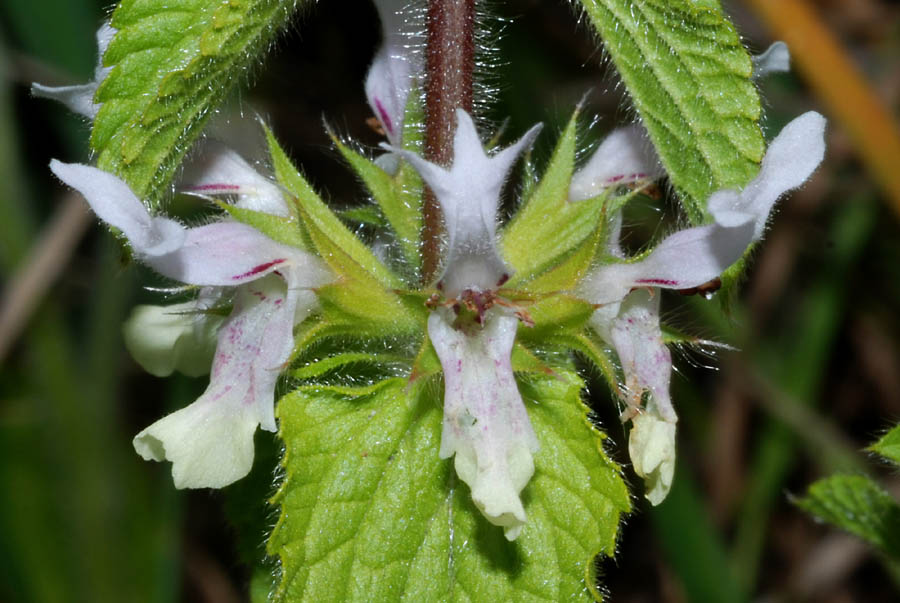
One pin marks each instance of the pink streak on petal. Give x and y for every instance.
(385, 117)
(657, 281)
(258, 269)
(215, 187)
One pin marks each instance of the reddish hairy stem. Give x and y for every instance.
(449, 63)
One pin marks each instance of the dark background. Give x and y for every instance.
(82, 518)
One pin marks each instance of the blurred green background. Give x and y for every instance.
(82, 518)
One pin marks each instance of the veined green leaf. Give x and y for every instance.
(857, 504)
(689, 77)
(370, 513)
(548, 227)
(173, 62)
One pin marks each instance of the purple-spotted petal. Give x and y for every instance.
(469, 193)
(632, 329)
(485, 425)
(635, 334)
(687, 258)
(80, 98)
(625, 156)
(218, 254)
(228, 254)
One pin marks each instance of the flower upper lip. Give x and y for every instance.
(469, 193)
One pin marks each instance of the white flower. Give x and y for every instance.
(627, 293)
(218, 170)
(80, 99)
(394, 71)
(183, 336)
(632, 328)
(210, 442)
(694, 256)
(485, 424)
(391, 76)
(469, 193)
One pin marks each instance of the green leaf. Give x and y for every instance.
(287, 231)
(689, 77)
(555, 314)
(857, 504)
(329, 364)
(889, 445)
(364, 214)
(570, 269)
(173, 62)
(548, 227)
(335, 243)
(402, 210)
(370, 513)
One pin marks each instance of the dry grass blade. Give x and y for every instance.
(46, 260)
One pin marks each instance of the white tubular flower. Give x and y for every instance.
(210, 442)
(692, 257)
(485, 424)
(391, 75)
(775, 59)
(80, 99)
(628, 293)
(624, 157)
(632, 328)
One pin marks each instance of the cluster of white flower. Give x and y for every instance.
(272, 287)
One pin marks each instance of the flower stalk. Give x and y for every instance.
(449, 67)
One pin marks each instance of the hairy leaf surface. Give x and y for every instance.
(857, 504)
(173, 62)
(689, 77)
(370, 513)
